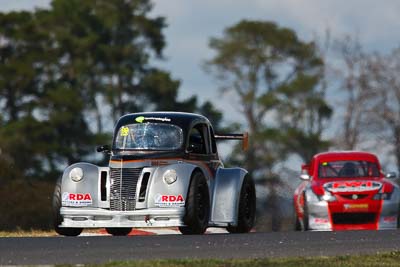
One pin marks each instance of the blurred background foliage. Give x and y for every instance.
(67, 73)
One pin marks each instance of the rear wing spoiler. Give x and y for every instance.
(244, 137)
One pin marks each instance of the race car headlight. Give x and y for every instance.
(382, 196)
(170, 176)
(328, 197)
(385, 193)
(76, 174)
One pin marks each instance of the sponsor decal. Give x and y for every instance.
(169, 200)
(390, 219)
(321, 220)
(76, 199)
(352, 186)
(124, 131)
(141, 119)
(356, 207)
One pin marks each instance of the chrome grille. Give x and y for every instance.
(123, 188)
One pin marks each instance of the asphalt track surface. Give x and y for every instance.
(102, 249)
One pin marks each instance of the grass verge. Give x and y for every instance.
(27, 233)
(37, 233)
(381, 259)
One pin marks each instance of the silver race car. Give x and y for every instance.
(164, 171)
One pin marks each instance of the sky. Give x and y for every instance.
(192, 23)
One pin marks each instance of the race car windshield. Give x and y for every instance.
(348, 168)
(149, 136)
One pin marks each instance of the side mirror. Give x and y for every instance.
(305, 177)
(104, 149)
(391, 175)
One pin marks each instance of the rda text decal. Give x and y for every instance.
(169, 200)
(76, 199)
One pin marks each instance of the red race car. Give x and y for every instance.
(346, 191)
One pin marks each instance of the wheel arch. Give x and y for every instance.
(197, 169)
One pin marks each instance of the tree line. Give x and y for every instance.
(299, 98)
(66, 74)
(69, 71)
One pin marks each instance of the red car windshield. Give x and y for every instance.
(347, 168)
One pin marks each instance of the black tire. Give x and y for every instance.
(57, 218)
(247, 208)
(305, 218)
(118, 231)
(197, 206)
(398, 217)
(297, 224)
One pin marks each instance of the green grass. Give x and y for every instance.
(27, 233)
(382, 259)
(36, 233)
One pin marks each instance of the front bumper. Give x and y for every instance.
(323, 217)
(99, 218)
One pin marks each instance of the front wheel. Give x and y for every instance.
(118, 231)
(305, 219)
(297, 224)
(57, 218)
(247, 208)
(197, 206)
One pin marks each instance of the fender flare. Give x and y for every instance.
(226, 196)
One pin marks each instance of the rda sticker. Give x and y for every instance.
(169, 200)
(76, 199)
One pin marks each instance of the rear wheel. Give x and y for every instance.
(297, 224)
(118, 231)
(197, 206)
(398, 218)
(247, 208)
(57, 218)
(305, 218)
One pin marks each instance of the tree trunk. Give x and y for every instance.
(11, 104)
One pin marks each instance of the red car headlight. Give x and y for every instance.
(321, 194)
(328, 197)
(385, 193)
(382, 196)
